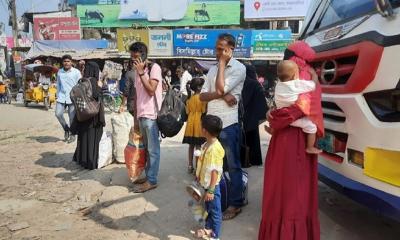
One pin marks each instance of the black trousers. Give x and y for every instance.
(253, 142)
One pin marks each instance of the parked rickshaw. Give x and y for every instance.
(39, 84)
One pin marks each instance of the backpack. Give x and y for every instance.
(86, 106)
(171, 115)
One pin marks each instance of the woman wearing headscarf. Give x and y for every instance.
(89, 132)
(254, 110)
(290, 194)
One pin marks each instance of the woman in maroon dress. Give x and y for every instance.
(290, 203)
(290, 196)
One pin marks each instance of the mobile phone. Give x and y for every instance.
(143, 57)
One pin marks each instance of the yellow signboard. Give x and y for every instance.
(127, 36)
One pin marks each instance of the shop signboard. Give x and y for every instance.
(267, 42)
(262, 9)
(160, 42)
(201, 42)
(143, 13)
(127, 36)
(63, 28)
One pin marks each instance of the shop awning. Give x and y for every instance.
(78, 49)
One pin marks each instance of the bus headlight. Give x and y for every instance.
(385, 105)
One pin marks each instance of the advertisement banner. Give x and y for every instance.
(201, 43)
(182, 13)
(63, 28)
(127, 36)
(267, 42)
(22, 42)
(254, 9)
(160, 42)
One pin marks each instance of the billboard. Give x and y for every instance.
(127, 36)
(201, 42)
(63, 28)
(160, 13)
(267, 42)
(254, 9)
(160, 42)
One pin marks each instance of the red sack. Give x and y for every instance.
(135, 156)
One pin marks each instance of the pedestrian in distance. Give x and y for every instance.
(222, 90)
(67, 78)
(209, 173)
(194, 109)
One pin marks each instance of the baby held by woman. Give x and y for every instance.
(287, 91)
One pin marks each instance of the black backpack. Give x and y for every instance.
(86, 106)
(171, 115)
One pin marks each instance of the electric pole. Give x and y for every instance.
(13, 9)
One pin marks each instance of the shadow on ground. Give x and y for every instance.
(46, 139)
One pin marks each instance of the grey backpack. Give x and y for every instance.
(86, 106)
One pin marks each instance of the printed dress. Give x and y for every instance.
(194, 108)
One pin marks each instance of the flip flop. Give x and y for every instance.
(230, 213)
(202, 233)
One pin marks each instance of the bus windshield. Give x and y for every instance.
(334, 11)
(339, 10)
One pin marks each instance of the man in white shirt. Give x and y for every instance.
(184, 77)
(222, 90)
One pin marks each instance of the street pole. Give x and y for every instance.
(14, 22)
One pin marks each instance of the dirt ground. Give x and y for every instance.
(44, 195)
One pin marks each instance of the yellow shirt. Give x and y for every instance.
(211, 159)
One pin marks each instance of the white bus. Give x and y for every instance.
(358, 62)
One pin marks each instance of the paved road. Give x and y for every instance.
(43, 195)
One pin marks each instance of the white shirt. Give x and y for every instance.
(235, 74)
(186, 77)
(287, 93)
(43, 79)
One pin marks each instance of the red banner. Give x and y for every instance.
(63, 28)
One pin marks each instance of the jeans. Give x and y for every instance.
(60, 109)
(149, 131)
(214, 218)
(230, 138)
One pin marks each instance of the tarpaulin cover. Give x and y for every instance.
(54, 48)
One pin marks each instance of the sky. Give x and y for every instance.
(26, 6)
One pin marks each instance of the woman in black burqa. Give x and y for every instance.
(255, 109)
(89, 132)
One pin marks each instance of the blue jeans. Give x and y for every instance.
(214, 218)
(230, 138)
(60, 109)
(149, 131)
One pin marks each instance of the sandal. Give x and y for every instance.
(144, 187)
(203, 233)
(231, 213)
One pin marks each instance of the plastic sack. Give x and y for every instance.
(105, 150)
(135, 156)
(121, 124)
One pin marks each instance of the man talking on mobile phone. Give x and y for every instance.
(148, 84)
(222, 90)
